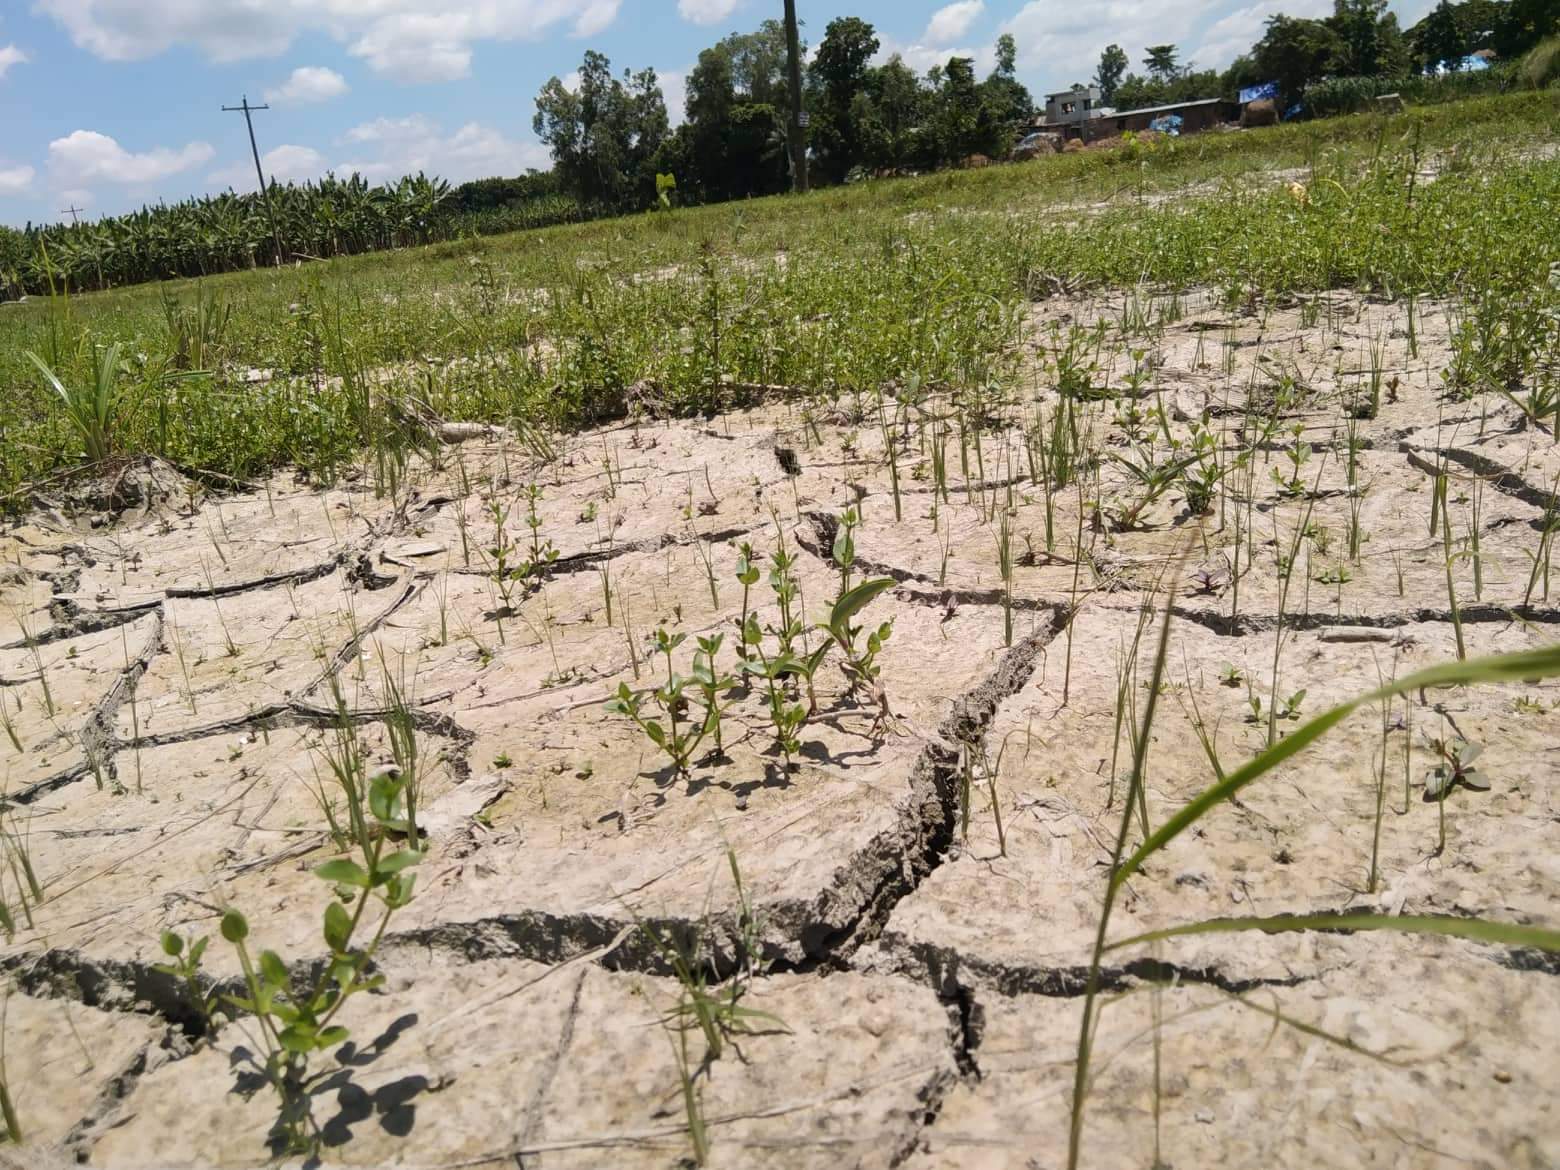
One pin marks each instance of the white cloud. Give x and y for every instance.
(308, 83)
(418, 143)
(674, 88)
(921, 57)
(408, 40)
(10, 55)
(85, 156)
(1230, 36)
(950, 23)
(1062, 43)
(597, 17)
(16, 180)
(287, 163)
(414, 47)
(706, 11)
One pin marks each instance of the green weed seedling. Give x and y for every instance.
(747, 577)
(712, 684)
(788, 715)
(295, 1027)
(860, 665)
(184, 964)
(678, 738)
(1455, 766)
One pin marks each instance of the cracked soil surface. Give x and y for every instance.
(170, 680)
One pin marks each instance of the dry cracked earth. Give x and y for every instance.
(171, 676)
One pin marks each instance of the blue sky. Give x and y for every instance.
(106, 104)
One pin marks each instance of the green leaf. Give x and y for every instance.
(656, 733)
(234, 927)
(855, 601)
(272, 969)
(344, 872)
(1524, 664)
(332, 1036)
(396, 862)
(1476, 929)
(171, 944)
(197, 951)
(298, 1038)
(399, 890)
(338, 927)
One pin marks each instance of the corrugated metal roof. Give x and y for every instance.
(1162, 109)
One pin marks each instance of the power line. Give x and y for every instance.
(265, 190)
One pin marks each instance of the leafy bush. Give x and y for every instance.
(1541, 66)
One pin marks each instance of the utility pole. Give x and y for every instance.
(265, 191)
(71, 211)
(795, 136)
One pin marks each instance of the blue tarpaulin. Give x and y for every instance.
(1167, 124)
(1268, 90)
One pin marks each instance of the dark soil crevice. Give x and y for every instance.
(1502, 478)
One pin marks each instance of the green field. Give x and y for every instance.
(851, 287)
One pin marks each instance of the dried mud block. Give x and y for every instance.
(193, 828)
(1300, 840)
(68, 1062)
(227, 658)
(635, 487)
(492, 1063)
(1451, 1067)
(226, 544)
(53, 695)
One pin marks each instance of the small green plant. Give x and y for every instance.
(294, 1027)
(677, 738)
(94, 411)
(184, 964)
(1291, 482)
(1455, 767)
(1282, 708)
(860, 665)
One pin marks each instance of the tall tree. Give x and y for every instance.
(1439, 40)
(1160, 61)
(1523, 24)
(604, 134)
(1112, 68)
(839, 72)
(1295, 52)
(1008, 97)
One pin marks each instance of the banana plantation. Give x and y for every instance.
(228, 232)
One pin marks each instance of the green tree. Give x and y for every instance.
(1522, 24)
(891, 116)
(838, 73)
(1295, 52)
(1439, 39)
(1112, 68)
(1370, 42)
(1009, 99)
(605, 134)
(1160, 62)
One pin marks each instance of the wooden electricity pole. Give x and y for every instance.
(797, 124)
(265, 191)
(71, 211)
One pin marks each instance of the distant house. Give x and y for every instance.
(1072, 106)
(1194, 116)
(1081, 114)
